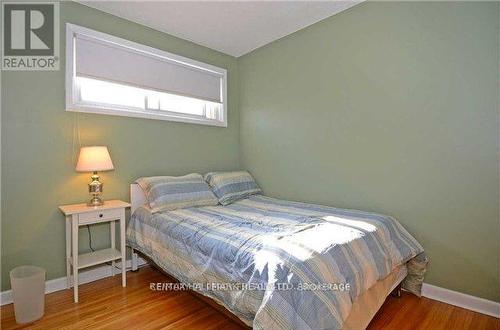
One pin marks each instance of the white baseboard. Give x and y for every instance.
(455, 298)
(463, 300)
(85, 276)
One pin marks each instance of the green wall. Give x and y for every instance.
(39, 148)
(389, 107)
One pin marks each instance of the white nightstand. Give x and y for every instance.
(81, 215)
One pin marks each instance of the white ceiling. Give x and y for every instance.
(231, 27)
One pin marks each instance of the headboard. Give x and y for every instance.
(137, 197)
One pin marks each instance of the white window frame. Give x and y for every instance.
(74, 104)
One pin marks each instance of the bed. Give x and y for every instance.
(281, 264)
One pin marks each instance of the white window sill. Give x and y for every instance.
(145, 114)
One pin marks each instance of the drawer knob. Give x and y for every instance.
(100, 215)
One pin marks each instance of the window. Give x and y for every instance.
(110, 75)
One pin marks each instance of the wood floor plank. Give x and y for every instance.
(104, 304)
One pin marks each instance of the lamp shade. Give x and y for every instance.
(94, 158)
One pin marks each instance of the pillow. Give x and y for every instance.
(175, 192)
(232, 186)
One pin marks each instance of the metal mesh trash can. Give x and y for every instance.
(28, 293)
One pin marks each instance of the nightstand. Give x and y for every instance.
(80, 215)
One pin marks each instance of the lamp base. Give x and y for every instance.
(95, 189)
(95, 201)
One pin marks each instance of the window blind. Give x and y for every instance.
(106, 60)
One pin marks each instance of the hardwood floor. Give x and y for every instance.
(411, 312)
(105, 304)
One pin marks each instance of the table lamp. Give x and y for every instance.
(93, 159)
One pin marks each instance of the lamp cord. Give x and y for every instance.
(90, 239)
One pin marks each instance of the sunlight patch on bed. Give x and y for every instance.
(263, 258)
(363, 225)
(315, 240)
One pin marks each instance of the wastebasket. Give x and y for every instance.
(28, 292)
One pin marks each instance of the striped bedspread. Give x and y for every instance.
(278, 264)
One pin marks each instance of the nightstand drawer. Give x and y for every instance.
(92, 217)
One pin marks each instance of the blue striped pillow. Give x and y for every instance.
(175, 192)
(232, 186)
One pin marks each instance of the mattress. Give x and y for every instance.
(280, 264)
